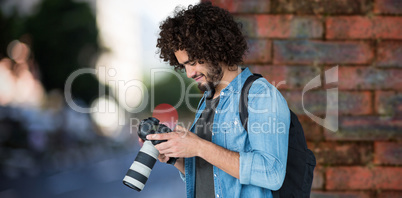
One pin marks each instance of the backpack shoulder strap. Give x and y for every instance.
(243, 103)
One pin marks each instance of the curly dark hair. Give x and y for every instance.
(208, 34)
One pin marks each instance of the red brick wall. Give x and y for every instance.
(296, 40)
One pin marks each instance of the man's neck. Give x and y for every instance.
(227, 77)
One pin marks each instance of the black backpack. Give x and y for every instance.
(300, 162)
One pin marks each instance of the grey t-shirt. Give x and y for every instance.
(204, 179)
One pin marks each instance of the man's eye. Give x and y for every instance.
(193, 63)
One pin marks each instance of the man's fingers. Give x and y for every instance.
(162, 146)
(165, 149)
(163, 158)
(181, 131)
(180, 128)
(163, 136)
(157, 136)
(168, 155)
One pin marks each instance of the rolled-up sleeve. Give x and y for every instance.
(182, 176)
(264, 165)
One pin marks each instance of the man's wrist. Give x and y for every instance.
(202, 146)
(178, 162)
(180, 165)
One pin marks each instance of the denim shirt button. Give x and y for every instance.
(214, 175)
(223, 93)
(216, 111)
(217, 195)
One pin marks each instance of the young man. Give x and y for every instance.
(217, 156)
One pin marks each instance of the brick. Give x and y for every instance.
(318, 180)
(368, 78)
(388, 6)
(388, 153)
(243, 6)
(390, 194)
(289, 26)
(388, 103)
(281, 26)
(362, 178)
(358, 27)
(353, 103)
(366, 128)
(312, 130)
(309, 52)
(248, 25)
(321, 6)
(389, 54)
(259, 51)
(287, 77)
(342, 153)
(328, 194)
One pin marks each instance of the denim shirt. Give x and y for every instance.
(263, 149)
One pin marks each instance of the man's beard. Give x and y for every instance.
(208, 86)
(212, 78)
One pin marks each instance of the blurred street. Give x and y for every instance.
(101, 178)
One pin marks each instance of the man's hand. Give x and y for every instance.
(183, 144)
(161, 157)
(180, 143)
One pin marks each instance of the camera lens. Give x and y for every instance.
(138, 174)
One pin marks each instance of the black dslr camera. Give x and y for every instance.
(138, 174)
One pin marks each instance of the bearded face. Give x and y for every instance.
(207, 76)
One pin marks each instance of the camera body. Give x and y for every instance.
(141, 168)
(152, 126)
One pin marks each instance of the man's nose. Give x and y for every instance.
(190, 71)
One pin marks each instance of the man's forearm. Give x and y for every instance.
(220, 157)
(180, 165)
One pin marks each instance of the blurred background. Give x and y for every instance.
(75, 79)
(76, 76)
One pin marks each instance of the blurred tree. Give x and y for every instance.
(10, 28)
(64, 39)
